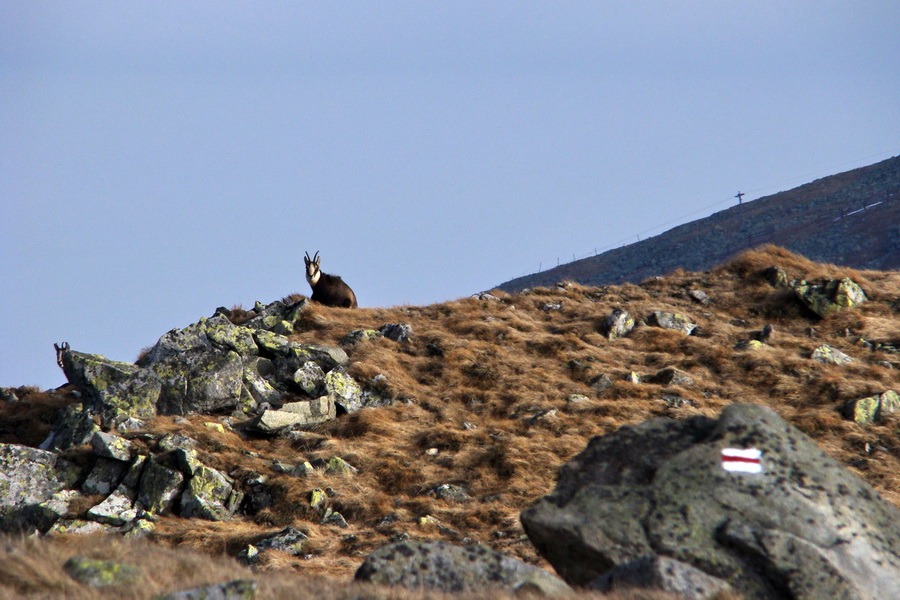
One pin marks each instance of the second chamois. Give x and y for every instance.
(329, 290)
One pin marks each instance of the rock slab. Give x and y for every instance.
(450, 568)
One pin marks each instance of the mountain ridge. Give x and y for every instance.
(849, 219)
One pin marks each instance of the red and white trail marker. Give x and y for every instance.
(744, 460)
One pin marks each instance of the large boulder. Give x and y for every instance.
(449, 568)
(830, 296)
(113, 390)
(793, 523)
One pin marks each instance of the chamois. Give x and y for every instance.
(329, 290)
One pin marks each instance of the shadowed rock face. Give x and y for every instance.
(804, 527)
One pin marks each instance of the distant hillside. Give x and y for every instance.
(850, 219)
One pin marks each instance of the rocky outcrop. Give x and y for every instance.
(794, 524)
(455, 569)
(214, 366)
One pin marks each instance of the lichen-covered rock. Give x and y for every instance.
(200, 382)
(802, 526)
(831, 296)
(113, 390)
(241, 589)
(100, 573)
(112, 446)
(79, 527)
(749, 346)
(208, 333)
(338, 466)
(310, 378)
(159, 488)
(360, 335)
(455, 569)
(673, 321)
(257, 384)
(28, 478)
(210, 495)
(618, 324)
(828, 355)
(872, 409)
(661, 573)
(344, 391)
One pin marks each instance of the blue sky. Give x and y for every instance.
(161, 159)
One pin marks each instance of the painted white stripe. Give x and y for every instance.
(742, 460)
(753, 453)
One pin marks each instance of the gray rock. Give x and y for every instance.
(112, 446)
(79, 527)
(30, 478)
(398, 332)
(661, 573)
(100, 573)
(777, 277)
(288, 540)
(804, 527)
(159, 488)
(295, 414)
(828, 355)
(175, 441)
(360, 335)
(872, 409)
(113, 390)
(118, 508)
(310, 378)
(454, 569)
(451, 492)
(670, 376)
(699, 296)
(673, 321)
(210, 495)
(344, 391)
(241, 589)
(74, 425)
(830, 296)
(618, 324)
(105, 476)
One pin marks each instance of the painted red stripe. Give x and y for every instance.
(740, 459)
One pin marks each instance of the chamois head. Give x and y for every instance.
(329, 290)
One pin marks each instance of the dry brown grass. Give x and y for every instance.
(482, 401)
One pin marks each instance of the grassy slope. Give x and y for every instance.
(486, 383)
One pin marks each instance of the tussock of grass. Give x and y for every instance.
(482, 401)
